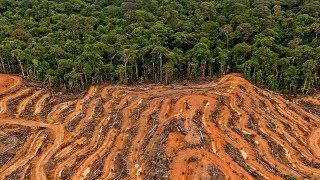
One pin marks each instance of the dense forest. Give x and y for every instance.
(77, 43)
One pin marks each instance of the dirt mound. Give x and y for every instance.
(8, 83)
(225, 129)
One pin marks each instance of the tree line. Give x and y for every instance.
(74, 44)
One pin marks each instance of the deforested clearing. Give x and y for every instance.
(229, 129)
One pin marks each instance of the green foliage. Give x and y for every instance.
(84, 42)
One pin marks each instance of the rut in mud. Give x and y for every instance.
(227, 129)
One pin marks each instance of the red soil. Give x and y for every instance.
(8, 82)
(227, 129)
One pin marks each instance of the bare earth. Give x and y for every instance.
(228, 129)
(8, 82)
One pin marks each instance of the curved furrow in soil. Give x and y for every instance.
(275, 114)
(238, 134)
(219, 130)
(72, 152)
(297, 125)
(18, 153)
(78, 113)
(181, 111)
(22, 174)
(292, 111)
(294, 142)
(79, 105)
(4, 101)
(32, 151)
(125, 122)
(69, 159)
(303, 138)
(30, 107)
(64, 151)
(247, 107)
(262, 129)
(54, 115)
(145, 131)
(67, 156)
(314, 142)
(278, 100)
(315, 99)
(240, 139)
(12, 104)
(196, 104)
(87, 166)
(40, 104)
(92, 166)
(81, 125)
(23, 104)
(186, 162)
(171, 110)
(217, 138)
(277, 122)
(57, 133)
(87, 123)
(244, 116)
(209, 105)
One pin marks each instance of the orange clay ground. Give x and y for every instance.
(228, 129)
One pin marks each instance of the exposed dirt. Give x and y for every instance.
(228, 129)
(8, 83)
(310, 104)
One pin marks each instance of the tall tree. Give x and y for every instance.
(226, 30)
(20, 55)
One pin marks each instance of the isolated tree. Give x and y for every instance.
(126, 56)
(226, 30)
(162, 53)
(20, 55)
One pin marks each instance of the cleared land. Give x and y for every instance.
(227, 129)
